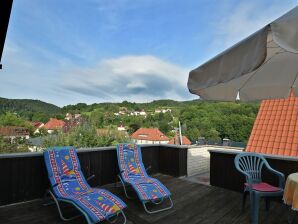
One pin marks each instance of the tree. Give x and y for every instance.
(59, 116)
(133, 127)
(84, 136)
(10, 119)
(192, 134)
(212, 134)
(40, 116)
(164, 127)
(216, 121)
(17, 145)
(97, 118)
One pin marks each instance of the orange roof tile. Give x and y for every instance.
(54, 123)
(175, 141)
(151, 134)
(275, 130)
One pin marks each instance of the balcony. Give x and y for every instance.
(24, 180)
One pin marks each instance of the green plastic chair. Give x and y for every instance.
(251, 164)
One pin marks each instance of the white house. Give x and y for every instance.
(149, 136)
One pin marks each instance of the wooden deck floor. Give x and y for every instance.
(193, 203)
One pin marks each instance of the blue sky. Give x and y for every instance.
(71, 51)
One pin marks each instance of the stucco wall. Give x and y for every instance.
(198, 158)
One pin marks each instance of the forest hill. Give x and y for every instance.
(211, 120)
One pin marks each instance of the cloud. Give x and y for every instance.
(244, 19)
(60, 56)
(134, 78)
(24, 76)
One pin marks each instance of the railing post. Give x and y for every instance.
(173, 160)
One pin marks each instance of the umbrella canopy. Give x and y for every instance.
(262, 66)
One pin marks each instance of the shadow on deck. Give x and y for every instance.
(193, 203)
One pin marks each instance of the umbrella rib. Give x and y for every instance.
(259, 69)
(294, 80)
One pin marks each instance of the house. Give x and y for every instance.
(157, 111)
(77, 116)
(135, 113)
(13, 132)
(122, 112)
(176, 140)
(143, 113)
(54, 124)
(68, 116)
(138, 113)
(121, 127)
(166, 110)
(275, 130)
(149, 136)
(37, 125)
(71, 124)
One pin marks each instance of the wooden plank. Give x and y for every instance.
(193, 203)
(150, 157)
(26, 178)
(173, 160)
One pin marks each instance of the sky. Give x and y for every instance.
(92, 51)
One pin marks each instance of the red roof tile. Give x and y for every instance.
(54, 123)
(36, 124)
(151, 134)
(275, 130)
(13, 131)
(175, 141)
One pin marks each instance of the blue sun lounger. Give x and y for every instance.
(69, 185)
(133, 173)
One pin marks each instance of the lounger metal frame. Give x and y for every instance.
(56, 201)
(156, 202)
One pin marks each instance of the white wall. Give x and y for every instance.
(138, 141)
(198, 159)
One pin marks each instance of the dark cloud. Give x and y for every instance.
(134, 78)
(153, 86)
(92, 91)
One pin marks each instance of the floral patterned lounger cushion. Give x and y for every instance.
(69, 184)
(133, 172)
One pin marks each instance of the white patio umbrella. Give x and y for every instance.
(262, 66)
